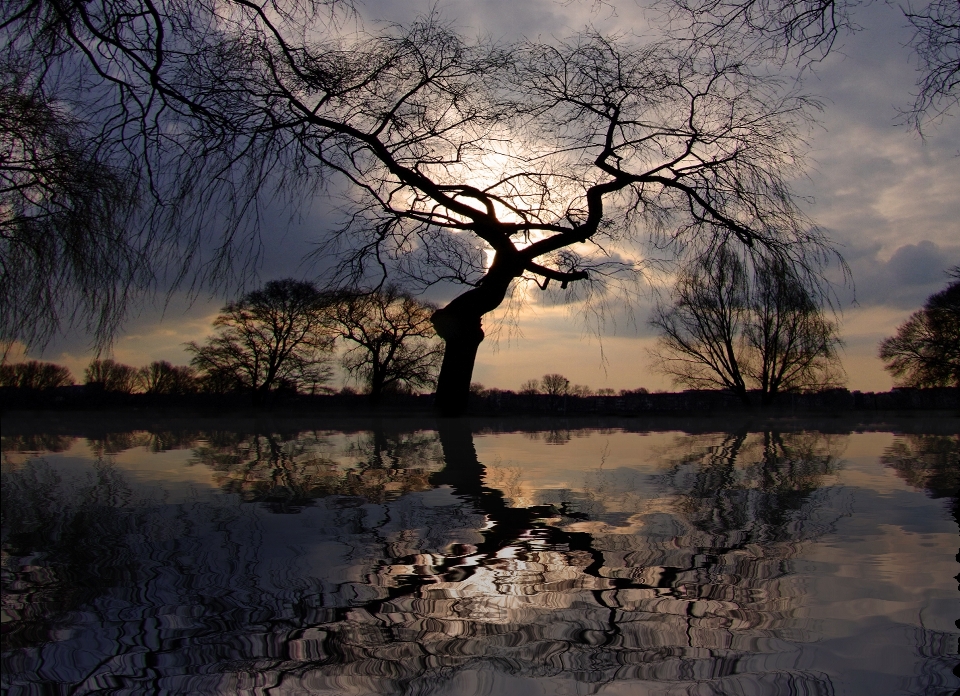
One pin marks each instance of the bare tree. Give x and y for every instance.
(555, 385)
(270, 335)
(617, 147)
(741, 328)
(702, 343)
(393, 341)
(793, 345)
(34, 374)
(471, 163)
(936, 40)
(160, 377)
(926, 349)
(113, 376)
(530, 387)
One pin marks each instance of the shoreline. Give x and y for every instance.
(85, 423)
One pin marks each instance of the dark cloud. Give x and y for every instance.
(906, 279)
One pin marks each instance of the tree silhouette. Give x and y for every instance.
(741, 328)
(272, 335)
(34, 374)
(531, 386)
(702, 342)
(793, 344)
(555, 385)
(468, 162)
(393, 341)
(926, 350)
(160, 377)
(113, 376)
(69, 255)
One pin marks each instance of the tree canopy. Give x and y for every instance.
(269, 337)
(742, 327)
(113, 376)
(34, 374)
(925, 352)
(391, 343)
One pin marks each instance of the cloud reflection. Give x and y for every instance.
(408, 570)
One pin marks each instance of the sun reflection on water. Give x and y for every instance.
(391, 562)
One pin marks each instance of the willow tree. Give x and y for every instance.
(744, 326)
(68, 256)
(463, 161)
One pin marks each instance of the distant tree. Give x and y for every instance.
(269, 335)
(114, 376)
(160, 377)
(581, 390)
(741, 328)
(702, 333)
(926, 349)
(606, 391)
(393, 344)
(34, 374)
(531, 386)
(219, 380)
(555, 385)
(792, 345)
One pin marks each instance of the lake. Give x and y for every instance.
(525, 558)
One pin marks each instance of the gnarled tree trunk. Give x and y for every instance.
(459, 324)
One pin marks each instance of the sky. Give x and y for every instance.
(886, 197)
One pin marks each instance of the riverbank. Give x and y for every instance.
(96, 424)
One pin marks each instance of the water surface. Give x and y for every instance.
(471, 561)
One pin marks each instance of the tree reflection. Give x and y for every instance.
(408, 572)
(35, 443)
(554, 436)
(58, 545)
(747, 488)
(112, 443)
(928, 462)
(289, 472)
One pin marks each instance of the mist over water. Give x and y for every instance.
(471, 561)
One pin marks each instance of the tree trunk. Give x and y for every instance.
(376, 384)
(462, 335)
(459, 324)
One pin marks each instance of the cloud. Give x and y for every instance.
(509, 20)
(905, 280)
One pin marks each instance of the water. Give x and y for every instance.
(471, 561)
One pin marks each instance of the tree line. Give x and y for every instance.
(754, 328)
(750, 331)
(281, 337)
